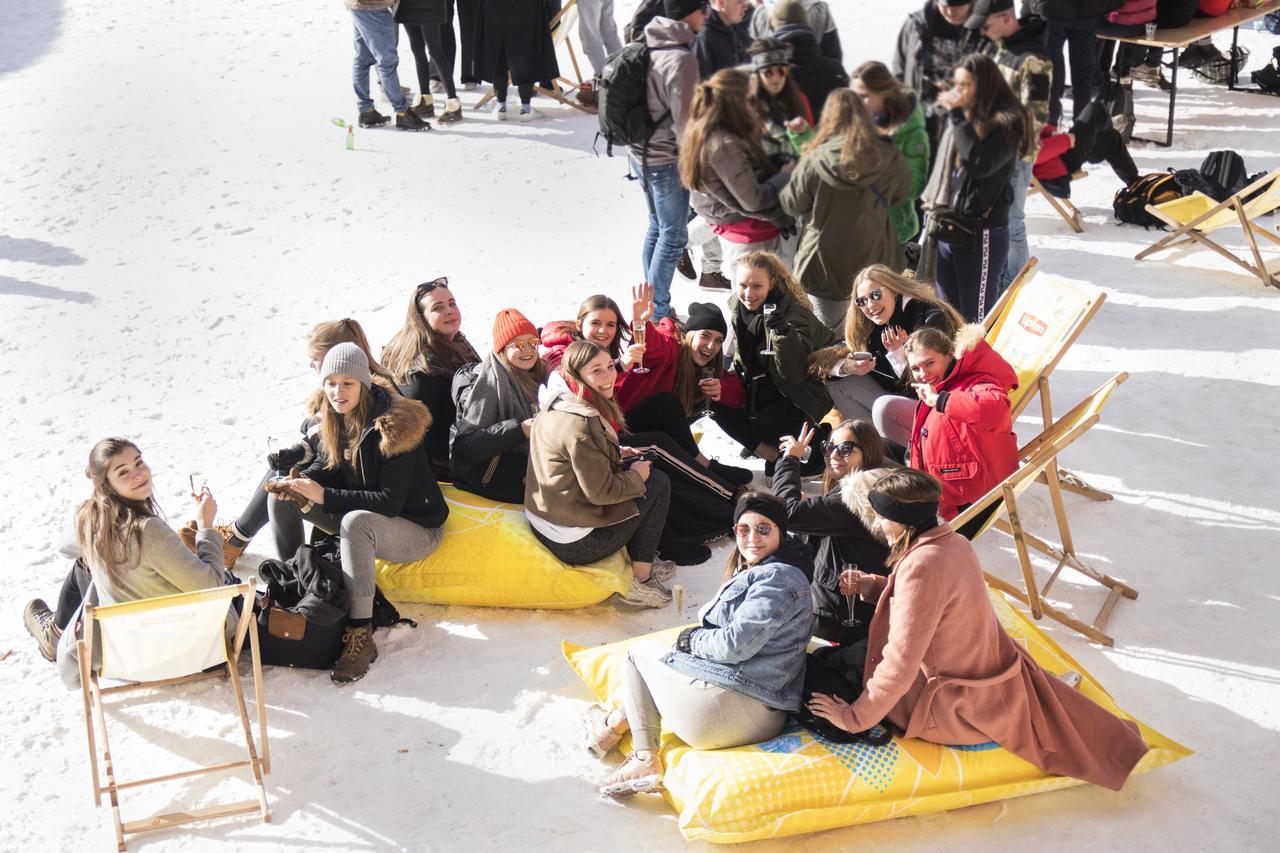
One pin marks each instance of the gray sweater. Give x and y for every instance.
(163, 566)
(673, 74)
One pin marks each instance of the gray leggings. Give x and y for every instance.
(830, 312)
(365, 535)
(640, 534)
(854, 396)
(702, 715)
(894, 418)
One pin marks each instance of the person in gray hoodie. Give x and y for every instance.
(845, 185)
(673, 74)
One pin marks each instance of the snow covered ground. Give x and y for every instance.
(179, 210)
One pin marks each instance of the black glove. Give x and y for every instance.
(776, 322)
(289, 457)
(686, 637)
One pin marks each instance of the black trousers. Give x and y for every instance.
(74, 588)
(766, 425)
(663, 413)
(432, 56)
(468, 19)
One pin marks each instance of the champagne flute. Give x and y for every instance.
(198, 481)
(637, 337)
(769, 308)
(853, 621)
(708, 372)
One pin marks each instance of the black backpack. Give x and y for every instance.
(1225, 173)
(1130, 203)
(622, 93)
(645, 12)
(837, 671)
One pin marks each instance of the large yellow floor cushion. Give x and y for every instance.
(490, 558)
(799, 783)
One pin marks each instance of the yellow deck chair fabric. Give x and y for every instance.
(796, 783)
(1196, 216)
(489, 557)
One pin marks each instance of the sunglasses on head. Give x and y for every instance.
(844, 449)
(744, 530)
(428, 286)
(873, 296)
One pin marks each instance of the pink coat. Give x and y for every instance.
(940, 667)
(1134, 12)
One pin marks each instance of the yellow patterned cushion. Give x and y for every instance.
(490, 558)
(798, 783)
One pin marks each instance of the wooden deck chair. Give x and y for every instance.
(1194, 217)
(1062, 206)
(1039, 459)
(157, 643)
(564, 28)
(1033, 324)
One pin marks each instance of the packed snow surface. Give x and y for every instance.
(179, 210)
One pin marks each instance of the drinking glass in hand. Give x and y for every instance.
(707, 373)
(852, 621)
(769, 308)
(637, 337)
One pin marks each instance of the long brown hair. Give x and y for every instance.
(575, 360)
(720, 104)
(907, 485)
(108, 526)
(327, 335)
(790, 99)
(880, 81)
(600, 302)
(995, 106)
(844, 115)
(418, 347)
(866, 437)
(340, 434)
(858, 326)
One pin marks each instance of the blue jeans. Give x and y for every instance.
(1018, 249)
(668, 232)
(375, 42)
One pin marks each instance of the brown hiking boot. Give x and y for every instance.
(358, 652)
(39, 621)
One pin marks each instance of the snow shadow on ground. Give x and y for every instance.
(28, 30)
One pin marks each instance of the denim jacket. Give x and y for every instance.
(755, 631)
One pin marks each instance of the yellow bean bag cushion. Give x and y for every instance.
(798, 783)
(489, 557)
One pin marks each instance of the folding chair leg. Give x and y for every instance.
(1259, 264)
(85, 686)
(1024, 558)
(100, 717)
(255, 763)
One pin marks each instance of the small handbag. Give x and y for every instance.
(954, 228)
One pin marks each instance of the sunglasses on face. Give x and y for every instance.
(762, 530)
(873, 296)
(428, 286)
(844, 449)
(524, 346)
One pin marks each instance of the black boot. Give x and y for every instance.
(408, 120)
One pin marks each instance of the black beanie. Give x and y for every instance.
(680, 9)
(706, 315)
(765, 504)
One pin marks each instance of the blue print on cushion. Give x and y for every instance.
(783, 744)
(977, 747)
(872, 764)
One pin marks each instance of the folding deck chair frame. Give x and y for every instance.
(1062, 206)
(1234, 211)
(562, 25)
(258, 761)
(1039, 461)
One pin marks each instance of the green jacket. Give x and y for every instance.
(788, 369)
(847, 214)
(912, 139)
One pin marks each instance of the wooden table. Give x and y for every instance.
(1177, 39)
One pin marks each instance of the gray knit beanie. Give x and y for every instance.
(348, 360)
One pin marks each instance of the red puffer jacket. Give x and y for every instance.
(968, 443)
(661, 355)
(1053, 145)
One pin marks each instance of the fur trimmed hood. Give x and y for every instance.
(967, 338)
(854, 489)
(401, 423)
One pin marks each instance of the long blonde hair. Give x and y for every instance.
(845, 115)
(780, 278)
(576, 358)
(720, 105)
(340, 434)
(858, 327)
(108, 526)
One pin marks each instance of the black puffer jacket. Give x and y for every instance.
(434, 392)
(393, 475)
(718, 46)
(838, 534)
(981, 187)
(816, 75)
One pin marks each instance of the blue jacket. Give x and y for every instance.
(755, 631)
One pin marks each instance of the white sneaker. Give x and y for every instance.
(530, 113)
(651, 593)
(663, 570)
